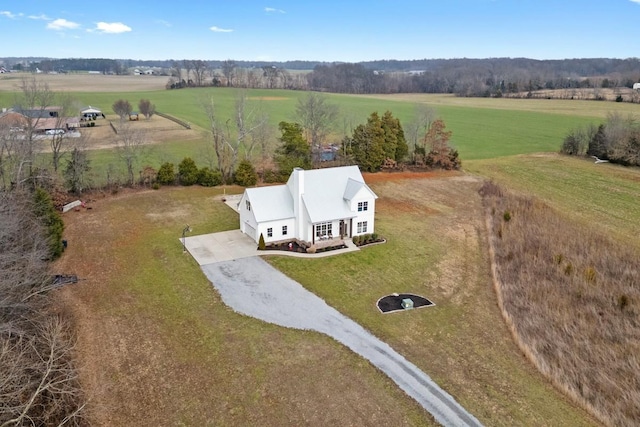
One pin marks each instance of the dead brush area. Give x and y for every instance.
(572, 298)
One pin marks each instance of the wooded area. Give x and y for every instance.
(463, 76)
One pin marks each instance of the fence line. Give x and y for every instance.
(174, 119)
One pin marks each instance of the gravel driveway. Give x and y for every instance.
(252, 287)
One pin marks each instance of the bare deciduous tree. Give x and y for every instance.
(187, 64)
(228, 142)
(146, 108)
(38, 382)
(228, 71)
(122, 108)
(317, 117)
(60, 142)
(130, 145)
(418, 127)
(200, 68)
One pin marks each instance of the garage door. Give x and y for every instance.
(249, 231)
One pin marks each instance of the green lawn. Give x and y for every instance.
(486, 131)
(168, 349)
(602, 195)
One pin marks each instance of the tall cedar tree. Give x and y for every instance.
(597, 144)
(395, 145)
(379, 139)
(295, 151)
(46, 212)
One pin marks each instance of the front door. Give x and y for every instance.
(344, 229)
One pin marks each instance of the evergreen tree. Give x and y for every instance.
(367, 144)
(246, 175)
(166, 173)
(395, 144)
(188, 171)
(50, 218)
(76, 171)
(597, 144)
(208, 177)
(295, 151)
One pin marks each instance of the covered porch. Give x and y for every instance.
(331, 233)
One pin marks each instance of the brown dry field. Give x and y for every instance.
(86, 82)
(155, 129)
(175, 355)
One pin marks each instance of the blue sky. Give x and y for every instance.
(329, 30)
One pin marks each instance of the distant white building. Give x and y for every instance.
(636, 86)
(314, 205)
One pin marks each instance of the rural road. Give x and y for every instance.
(252, 287)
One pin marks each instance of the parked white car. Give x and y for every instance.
(54, 132)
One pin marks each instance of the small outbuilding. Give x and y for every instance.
(90, 113)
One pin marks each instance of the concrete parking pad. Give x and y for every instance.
(218, 247)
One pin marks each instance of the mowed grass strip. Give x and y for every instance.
(603, 196)
(156, 346)
(436, 248)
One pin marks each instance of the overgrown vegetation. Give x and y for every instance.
(617, 140)
(38, 381)
(570, 295)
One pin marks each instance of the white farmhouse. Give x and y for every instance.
(636, 86)
(313, 206)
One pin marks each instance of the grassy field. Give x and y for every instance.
(482, 129)
(156, 342)
(157, 346)
(604, 195)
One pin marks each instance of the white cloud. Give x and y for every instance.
(39, 17)
(219, 30)
(10, 15)
(635, 1)
(274, 10)
(163, 22)
(62, 24)
(112, 27)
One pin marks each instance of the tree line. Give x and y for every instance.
(493, 77)
(38, 380)
(617, 140)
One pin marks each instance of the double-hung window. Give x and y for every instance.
(284, 230)
(269, 232)
(362, 227)
(363, 206)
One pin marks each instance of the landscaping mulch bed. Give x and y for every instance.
(295, 247)
(391, 303)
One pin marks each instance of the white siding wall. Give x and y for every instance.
(368, 215)
(276, 226)
(248, 223)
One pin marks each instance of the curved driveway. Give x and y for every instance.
(252, 287)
